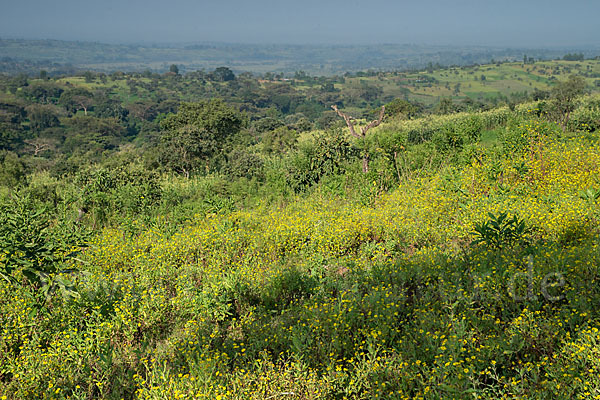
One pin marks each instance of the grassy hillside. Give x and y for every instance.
(503, 82)
(502, 79)
(463, 264)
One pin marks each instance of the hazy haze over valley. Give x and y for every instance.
(534, 23)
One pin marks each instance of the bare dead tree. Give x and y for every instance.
(363, 130)
(39, 145)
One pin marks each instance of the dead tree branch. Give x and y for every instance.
(363, 130)
(348, 120)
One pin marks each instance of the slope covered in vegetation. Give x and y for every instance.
(464, 262)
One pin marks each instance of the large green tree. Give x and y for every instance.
(42, 117)
(222, 74)
(196, 134)
(564, 95)
(76, 99)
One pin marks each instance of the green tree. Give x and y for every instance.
(42, 92)
(361, 135)
(41, 117)
(197, 133)
(106, 107)
(279, 140)
(18, 81)
(12, 170)
(266, 124)
(11, 130)
(89, 76)
(76, 99)
(222, 74)
(402, 108)
(564, 95)
(92, 136)
(446, 106)
(174, 69)
(574, 57)
(243, 164)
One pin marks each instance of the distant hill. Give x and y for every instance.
(19, 55)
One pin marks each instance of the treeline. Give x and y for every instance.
(172, 122)
(65, 124)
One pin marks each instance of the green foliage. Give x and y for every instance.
(279, 140)
(197, 133)
(447, 139)
(75, 99)
(590, 195)
(222, 74)
(296, 272)
(90, 136)
(521, 135)
(266, 124)
(243, 164)
(501, 231)
(106, 107)
(564, 94)
(446, 106)
(586, 117)
(12, 170)
(299, 122)
(42, 117)
(400, 108)
(32, 247)
(43, 92)
(325, 156)
(127, 191)
(573, 57)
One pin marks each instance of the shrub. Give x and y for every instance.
(585, 119)
(242, 163)
(12, 170)
(31, 247)
(447, 138)
(279, 140)
(522, 135)
(325, 156)
(123, 190)
(501, 231)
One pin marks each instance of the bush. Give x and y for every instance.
(522, 135)
(325, 156)
(469, 128)
(243, 164)
(280, 140)
(32, 247)
(12, 170)
(501, 231)
(126, 190)
(585, 119)
(447, 139)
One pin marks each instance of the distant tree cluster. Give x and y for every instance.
(573, 57)
(528, 60)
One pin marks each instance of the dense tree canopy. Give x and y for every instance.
(197, 133)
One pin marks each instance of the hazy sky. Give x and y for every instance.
(501, 22)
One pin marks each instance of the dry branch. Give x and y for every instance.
(363, 130)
